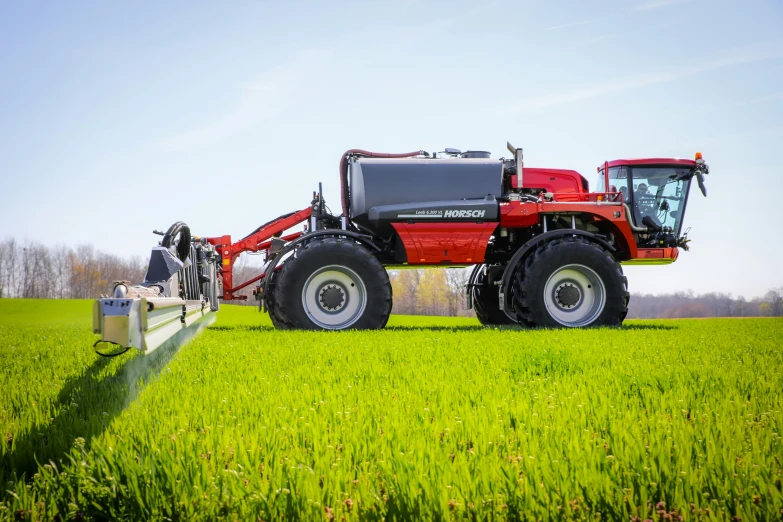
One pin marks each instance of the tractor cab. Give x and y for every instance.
(655, 192)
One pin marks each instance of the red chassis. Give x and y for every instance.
(452, 244)
(462, 244)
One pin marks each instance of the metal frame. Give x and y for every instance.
(259, 241)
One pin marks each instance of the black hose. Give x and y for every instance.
(183, 247)
(268, 223)
(345, 193)
(115, 354)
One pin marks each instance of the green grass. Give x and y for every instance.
(432, 418)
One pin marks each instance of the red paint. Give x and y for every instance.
(659, 253)
(518, 214)
(675, 162)
(550, 180)
(445, 243)
(251, 243)
(259, 241)
(290, 237)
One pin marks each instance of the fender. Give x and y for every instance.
(520, 254)
(364, 239)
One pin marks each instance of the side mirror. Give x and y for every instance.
(700, 179)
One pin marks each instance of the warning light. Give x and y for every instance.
(698, 156)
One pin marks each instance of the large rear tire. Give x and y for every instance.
(332, 284)
(277, 321)
(570, 283)
(485, 298)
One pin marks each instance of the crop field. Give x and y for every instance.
(432, 418)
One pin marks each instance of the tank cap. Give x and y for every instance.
(474, 154)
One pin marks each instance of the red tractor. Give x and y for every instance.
(547, 251)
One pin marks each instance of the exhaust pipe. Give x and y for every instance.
(518, 160)
(629, 218)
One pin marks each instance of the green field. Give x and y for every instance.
(432, 418)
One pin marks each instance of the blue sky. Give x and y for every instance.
(117, 118)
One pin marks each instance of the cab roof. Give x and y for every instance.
(652, 161)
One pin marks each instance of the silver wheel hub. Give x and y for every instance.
(574, 295)
(334, 297)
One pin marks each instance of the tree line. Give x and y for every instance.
(33, 270)
(441, 292)
(712, 304)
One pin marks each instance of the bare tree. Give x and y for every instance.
(38, 273)
(739, 307)
(688, 304)
(61, 268)
(405, 285)
(457, 279)
(85, 280)
(719, 303)
(4, 256)
(774, 298)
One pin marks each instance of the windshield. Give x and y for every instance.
(657, 192)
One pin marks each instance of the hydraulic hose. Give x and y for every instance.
(183, 247)
(344, 195)
(269, 223)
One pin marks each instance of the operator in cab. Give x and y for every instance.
(641, 191)
(643, 208)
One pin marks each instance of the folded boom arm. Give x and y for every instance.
(259, 241)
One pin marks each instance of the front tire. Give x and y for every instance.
(570, 283)
(214, 289)
(332, 284)
(485, 298)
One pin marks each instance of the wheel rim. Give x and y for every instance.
(574, 295)
(334, 297)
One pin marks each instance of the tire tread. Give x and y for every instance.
(525, 303)
(284, 307)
